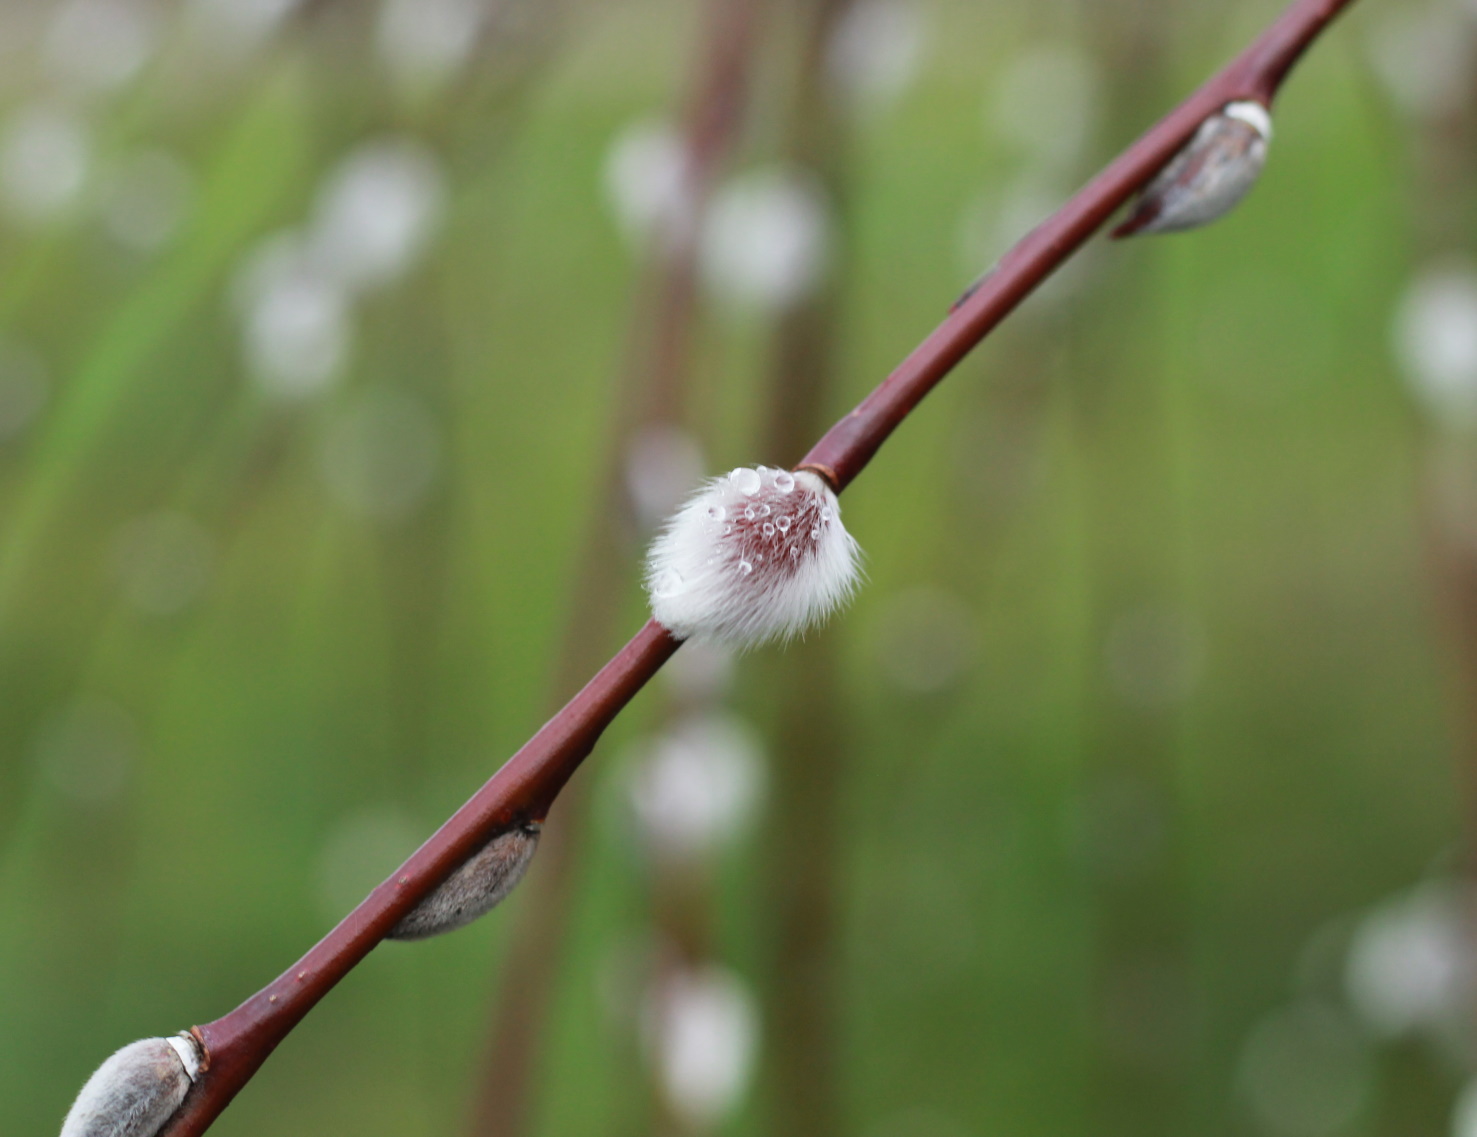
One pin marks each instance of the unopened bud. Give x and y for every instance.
(137, 1090)
(475, 888)
(753, 556)
(1210, 174)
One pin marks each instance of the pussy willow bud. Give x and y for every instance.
(753, 556)
(475, 888)
(137, 1090)
(1209, 176)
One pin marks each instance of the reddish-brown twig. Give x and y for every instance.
(1446, 189)
(1256, 74)
(801, 870)
(652, 391)
(237, 1044)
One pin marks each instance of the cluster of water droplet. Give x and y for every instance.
(768, 530)
(773, 527)
(759, 553)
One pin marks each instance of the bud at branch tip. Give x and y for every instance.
(136, 1091)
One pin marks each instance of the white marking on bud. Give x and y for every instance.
(474, 889)
(188, 1049)
(754, 556)
(137, 1090)
(1209, 176)
(1253, 114)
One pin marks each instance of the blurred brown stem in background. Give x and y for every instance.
(525, 787)
(652, 393)
(1128, 814)
(1445, 207)
(801, 889)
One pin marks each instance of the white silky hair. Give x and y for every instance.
(754, 556)
(136, 1090)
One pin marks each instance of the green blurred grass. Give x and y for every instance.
(1306, 774)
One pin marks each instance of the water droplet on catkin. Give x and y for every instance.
(757, 579)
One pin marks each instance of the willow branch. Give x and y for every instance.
(652, 389)
(1255, 74)
(526, 786)
(237, 1044)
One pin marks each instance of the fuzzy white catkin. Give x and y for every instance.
(1210, 175)
(753, 556)
(135, 1091)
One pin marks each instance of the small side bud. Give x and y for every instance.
(137, 1090)
(475, 888)
(753, 556)
(1209, 176)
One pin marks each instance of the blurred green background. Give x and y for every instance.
(1153, 794)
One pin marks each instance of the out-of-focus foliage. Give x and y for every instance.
(308, 320)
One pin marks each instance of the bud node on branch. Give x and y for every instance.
(754, 556)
